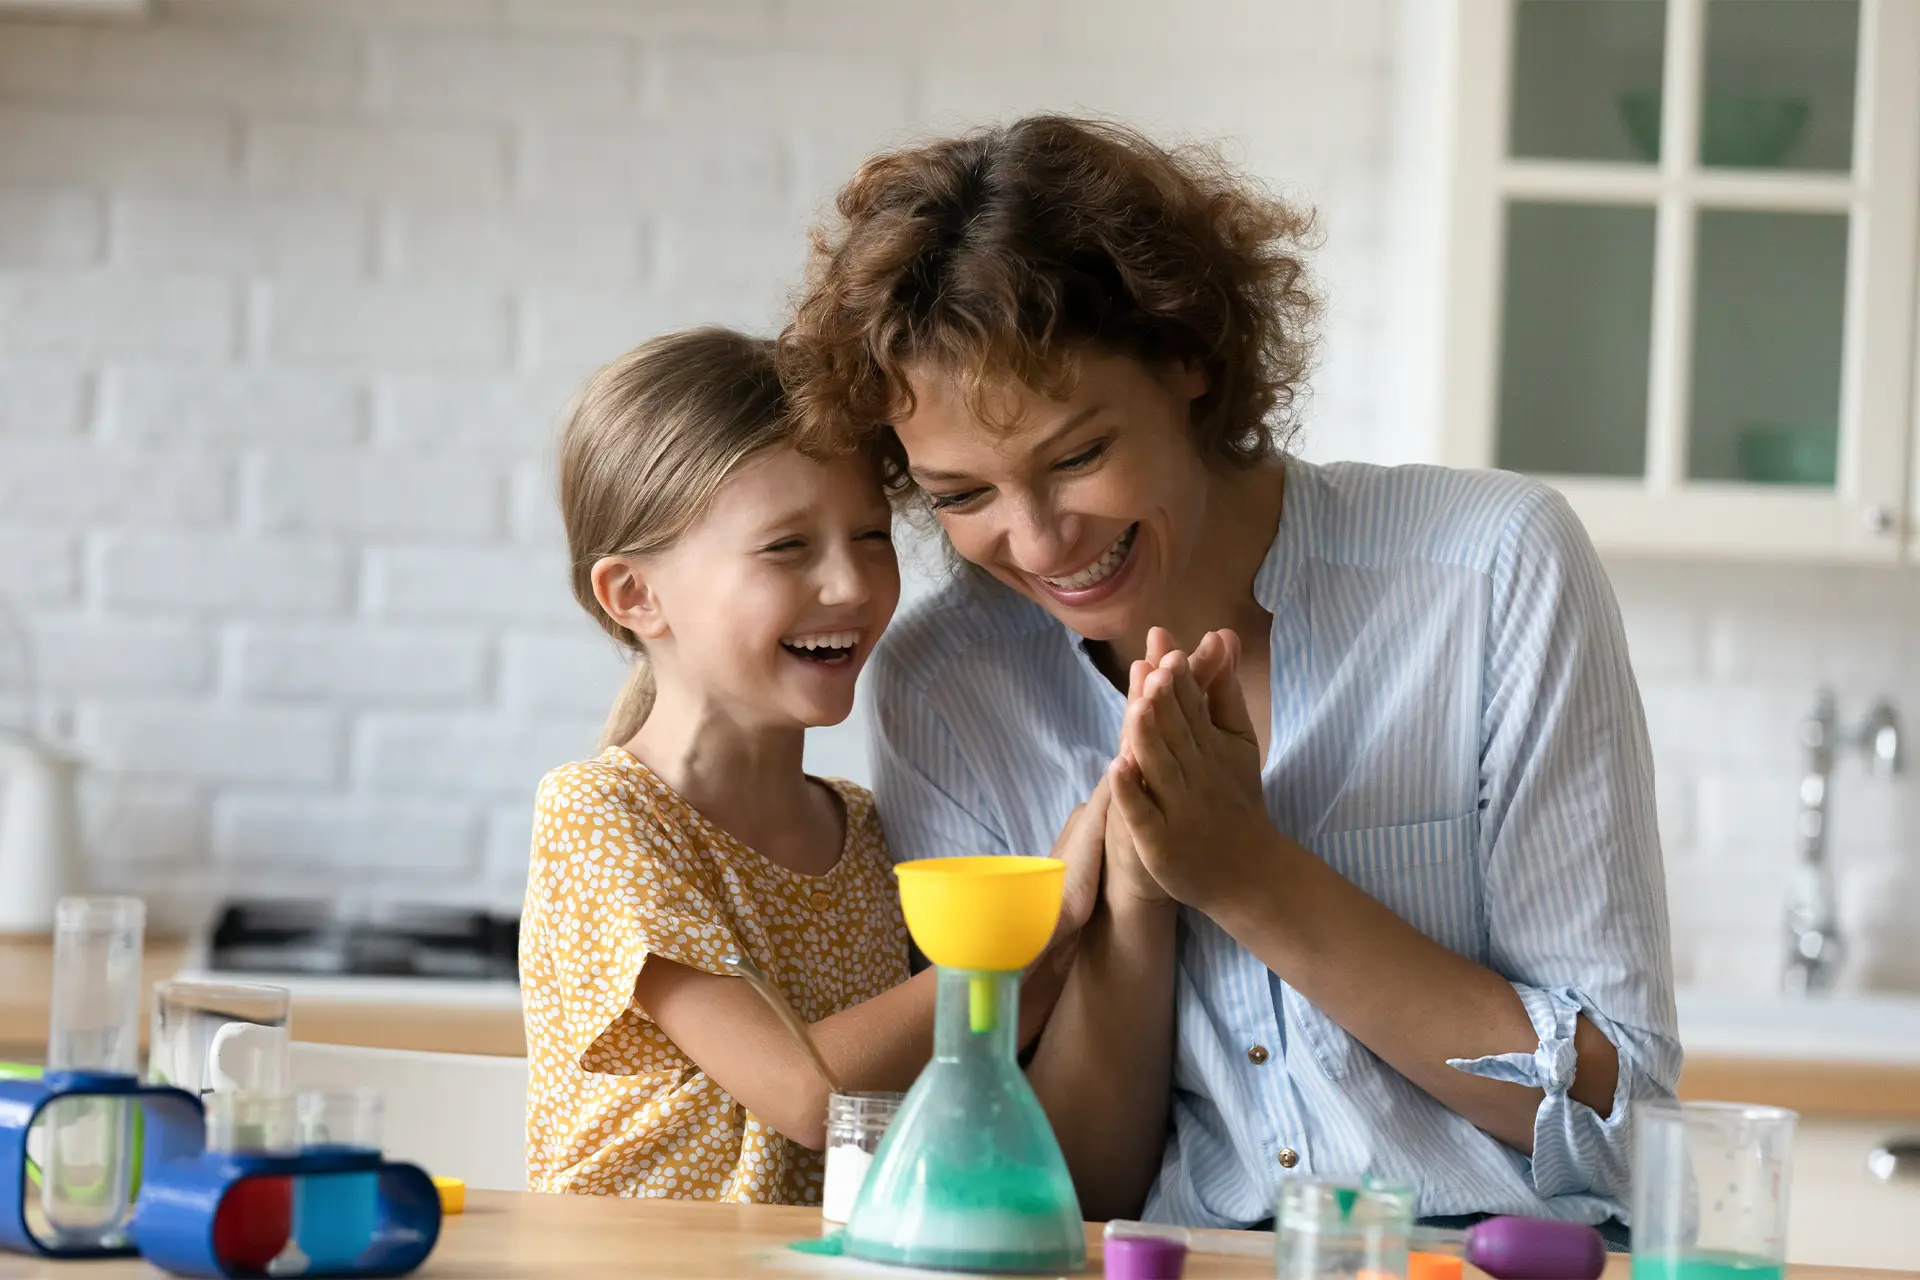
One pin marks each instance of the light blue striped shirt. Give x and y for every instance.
(1455, 728)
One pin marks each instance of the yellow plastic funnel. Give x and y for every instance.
(982, 913)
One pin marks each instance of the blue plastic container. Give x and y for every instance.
(171, 1129)
(174, 1221)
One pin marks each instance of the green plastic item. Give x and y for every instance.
(969, 1176)
(23, 1071)
(26, 1071)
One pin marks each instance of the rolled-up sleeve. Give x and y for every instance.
(1575, 892)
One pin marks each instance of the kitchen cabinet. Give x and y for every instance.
(1839, 1214)
(1680, 267)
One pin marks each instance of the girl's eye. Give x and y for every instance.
(785, 544)
(877, 535)
(949, 501)
(1088, 455)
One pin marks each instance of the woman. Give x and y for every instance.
(1383, 887)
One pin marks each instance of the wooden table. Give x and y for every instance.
(518, 1236)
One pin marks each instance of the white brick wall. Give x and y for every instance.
(1728, 658)
(292, 297)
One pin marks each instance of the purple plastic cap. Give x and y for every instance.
(1143, 1258)
(1511, 1248)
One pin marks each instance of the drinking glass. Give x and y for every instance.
(1329, 1230)
(255, 1219)
(86, 1180)
(220, 1037)
(1710, 1186)
(856, 1122)
(335, 1215)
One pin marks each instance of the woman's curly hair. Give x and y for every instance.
(1003, 253)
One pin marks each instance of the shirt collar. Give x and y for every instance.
(1276, 573)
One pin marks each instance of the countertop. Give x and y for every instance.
(452, 1017)
(529, 1237)
(440, 1018)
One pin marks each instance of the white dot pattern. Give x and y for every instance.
(622, 868)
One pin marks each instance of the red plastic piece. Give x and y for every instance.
(253, 1223)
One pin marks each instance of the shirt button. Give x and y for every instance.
(1289, 1157)
(1257, 1055)
(821, 900)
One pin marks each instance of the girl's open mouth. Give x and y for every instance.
(828, 649)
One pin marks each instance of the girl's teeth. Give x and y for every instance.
(1099, 569)
(838, 640)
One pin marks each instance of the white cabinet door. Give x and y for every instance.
(1681, 265)
(1840, 1214)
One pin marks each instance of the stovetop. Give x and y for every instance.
(321, 939)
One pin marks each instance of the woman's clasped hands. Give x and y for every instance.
(1187, 819)
(1179, 813)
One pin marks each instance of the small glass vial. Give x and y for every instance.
(1328, 1230)
(94, 1025)
(335, 1214)
(855, 1124)
(255, 1221)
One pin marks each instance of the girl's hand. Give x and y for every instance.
(1125, 873)
(1127, 876)
(1081, 846)
(1188, 783)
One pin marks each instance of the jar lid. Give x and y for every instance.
(1143, 1258)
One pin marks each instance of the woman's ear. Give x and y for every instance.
(621, 587)
(1186, 379)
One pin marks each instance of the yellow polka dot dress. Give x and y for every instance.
(623, 868)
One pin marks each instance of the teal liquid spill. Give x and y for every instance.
(1706, 1264)
(335, 1216)
(833, 1246)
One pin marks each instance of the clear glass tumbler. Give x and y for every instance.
(1329, 1230)
(1710, 1184)
(220, 1037)
(95, 1016)
(335, 1214)
(87, 1177)
(855, 1124)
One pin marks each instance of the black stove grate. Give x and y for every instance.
(403, 941)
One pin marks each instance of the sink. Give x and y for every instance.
(1868, 1028)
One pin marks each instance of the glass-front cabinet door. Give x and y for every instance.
(1682, 251)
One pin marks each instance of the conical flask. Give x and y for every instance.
(970, 1176)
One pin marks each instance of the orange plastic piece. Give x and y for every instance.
(1434, 1266)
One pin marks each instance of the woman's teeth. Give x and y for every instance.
(1101, 569)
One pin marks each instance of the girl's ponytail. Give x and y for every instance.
(631, 706)
(649, 440)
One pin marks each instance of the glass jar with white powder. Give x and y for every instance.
(855, 1124)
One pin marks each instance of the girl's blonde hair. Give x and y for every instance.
(649, 440)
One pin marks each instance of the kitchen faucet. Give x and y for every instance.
(1815, 948)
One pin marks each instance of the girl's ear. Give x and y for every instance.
(621, 587)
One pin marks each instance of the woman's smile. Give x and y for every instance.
(1098, 581)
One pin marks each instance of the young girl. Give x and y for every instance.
(750, 582)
